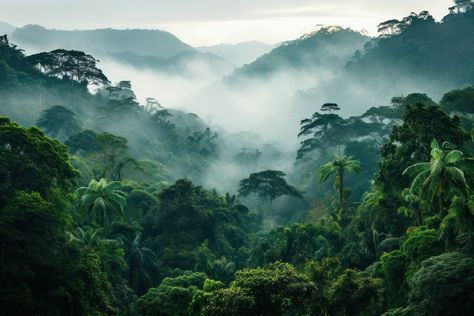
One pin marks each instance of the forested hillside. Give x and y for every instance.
(155, 43)
(324, 50)
(112, 206)
(415, 53)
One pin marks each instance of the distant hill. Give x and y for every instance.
(422, 47)
(419, 55)
(329, 47)
(6, 28)
(142, 42)
(238, 54)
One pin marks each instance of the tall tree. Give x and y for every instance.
(270, 185)
(409, 143)
(70, 64)
(338, 166)
(101, 200)
(439, 177)
(31, 162)
(59, 122)
(142, 263)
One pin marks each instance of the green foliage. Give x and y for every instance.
(276, 290)
(100, 201)
(207, 226)
(410, 143)
(270, 185)
(173, 296)
(297, 243)
(56, 262)
(337, 167)
(40, 164)
(314, 50)
(74, 65)
(441, 177)
(352, 294)
(43, 271)
(419, 49)
(444, 285)
(461, 101)
(59, 122)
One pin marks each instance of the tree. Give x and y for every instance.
(32, 162)
(462, 6)
(278, 289)
(59, 122)
(317, 126)
(330, 107)
(338, 166)
(459, 101)
(409, 143)
(325, 131)
(208, 228)
(142, 264)
(106, 149)
(172, 297)
(270, 185)
(389, 28)
(202, 143)
(352, 294)
(443, 286)
(69, 64)
(101, 200)
(40, 267)
(439, 177)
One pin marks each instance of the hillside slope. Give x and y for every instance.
(143, 42)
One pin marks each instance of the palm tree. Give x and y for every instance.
(101, 200)
(440, 176)
(338, 166)
(142, 264)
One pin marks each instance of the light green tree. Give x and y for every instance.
(439, 177)
(338, 167)
(100, 200)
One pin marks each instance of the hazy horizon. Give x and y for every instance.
(212, 22)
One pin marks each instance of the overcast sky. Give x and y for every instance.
(205, 22)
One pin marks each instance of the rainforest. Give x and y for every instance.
(328, 174)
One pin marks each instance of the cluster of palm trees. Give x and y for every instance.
(434, 183)
(100, 203)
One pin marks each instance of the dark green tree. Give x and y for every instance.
(101, 201)
(70, 64)
(439, 177)
(31, 162)
(338, 167)
(59, 122)
(270, 185)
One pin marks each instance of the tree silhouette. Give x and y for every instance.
(270, 185)
(59, 122)
(338, 166)
(69, 64)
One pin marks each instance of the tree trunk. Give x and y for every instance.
(441, 198)
(271, 213)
